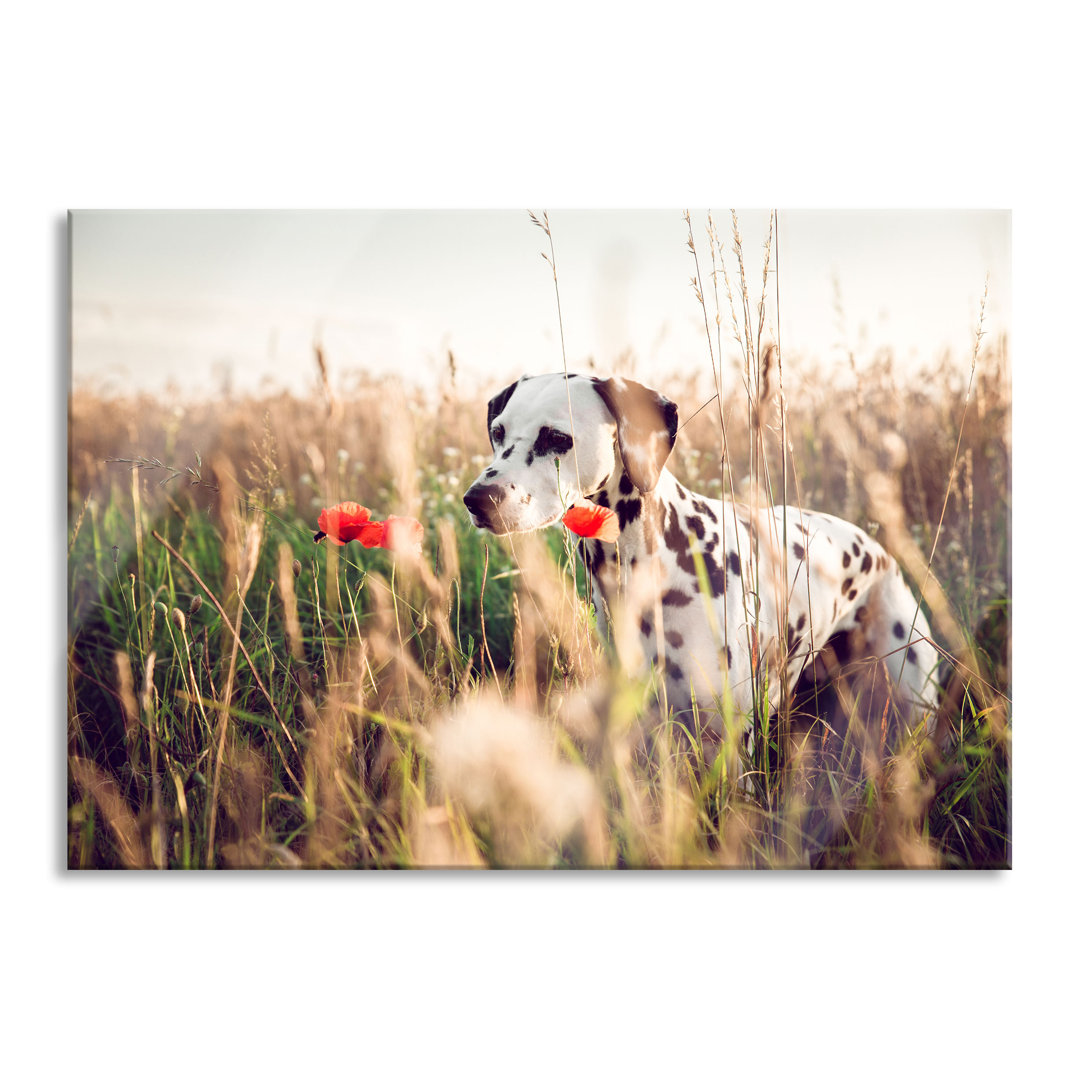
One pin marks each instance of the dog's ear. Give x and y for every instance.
(496, 406)
(646, 422)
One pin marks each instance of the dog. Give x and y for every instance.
(733, 621)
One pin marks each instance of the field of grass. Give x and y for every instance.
(240, 696)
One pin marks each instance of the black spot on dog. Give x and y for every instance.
(847, 584)
(802, 621)
(860, 614)
(682, 491)
(489, 473)
(847, 560)
(703, 508)
(628, 510)
(675, 639)
(599, 556)
(675, 672)
(601, 499)
(678, 543)
(841, 646)
(626, 485)
(898, 629)
(733, 563)
(716, 574)
(912, 656)
(710, 544)
(727, 650)
(851, 595)
(799, 550)
(529, 458)
(645, 626)
(675, 598)
(867, 563)
(855, 550)
(549, 441)
(696, 526)
(802, 528)
(508, 451)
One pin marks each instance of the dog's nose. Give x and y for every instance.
(481, 499)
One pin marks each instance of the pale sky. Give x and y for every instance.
(174, 297)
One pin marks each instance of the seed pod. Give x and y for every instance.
(178, 619)
(195, 604)
(296, 568)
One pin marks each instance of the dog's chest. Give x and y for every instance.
(678, 571)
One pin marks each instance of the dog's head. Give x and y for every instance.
(557, 439)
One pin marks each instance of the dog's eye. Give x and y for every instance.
(498, 433)
(550, 441)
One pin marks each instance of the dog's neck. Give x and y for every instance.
(641, 524)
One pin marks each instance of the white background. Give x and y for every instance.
(129, 105)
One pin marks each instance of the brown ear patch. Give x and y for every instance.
(646, 422)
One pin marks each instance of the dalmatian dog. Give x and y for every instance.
(718, 623)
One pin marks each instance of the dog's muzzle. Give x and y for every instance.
(483, 502)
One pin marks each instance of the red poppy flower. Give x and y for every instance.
(351, 521)
(403, 535)
(593, 522)
(343, 522)
(371, 534)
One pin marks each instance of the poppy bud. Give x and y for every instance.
(178, 619)
(296, 567)
(196, 603)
